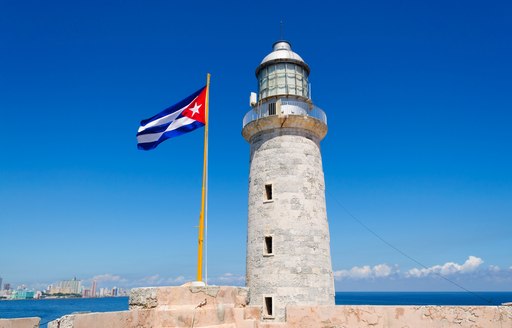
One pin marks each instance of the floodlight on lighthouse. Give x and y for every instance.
(253, 100)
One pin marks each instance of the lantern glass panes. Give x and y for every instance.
(283, 79)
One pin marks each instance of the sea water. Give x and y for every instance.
(422, 298)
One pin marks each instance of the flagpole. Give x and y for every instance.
(202, 215)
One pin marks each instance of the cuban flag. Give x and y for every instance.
(183, 117)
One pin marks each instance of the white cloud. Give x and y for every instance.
(449, 268)
(228, 278)
(365, 272)
(107, 277)
(157, 280)
(382, 270)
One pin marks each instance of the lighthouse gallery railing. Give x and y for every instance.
(288, 107)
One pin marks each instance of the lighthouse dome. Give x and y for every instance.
(282, 73)
(282, 52)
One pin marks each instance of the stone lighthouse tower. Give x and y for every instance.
(288, 252)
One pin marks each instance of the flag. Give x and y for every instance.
(183, 117)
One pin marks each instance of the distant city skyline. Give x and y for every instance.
(417, 98)
(70, 287)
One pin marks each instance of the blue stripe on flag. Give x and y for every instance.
(156, 129)
(174, 133)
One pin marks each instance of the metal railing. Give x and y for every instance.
(287, 107)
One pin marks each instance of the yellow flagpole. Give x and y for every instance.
(204, 188)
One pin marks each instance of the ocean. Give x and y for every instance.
(51, 309)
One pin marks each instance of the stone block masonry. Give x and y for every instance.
(399, 316)
(228, 307)
(297, 270)
(20, 323)
(166, 307)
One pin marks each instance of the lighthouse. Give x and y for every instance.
(288, 243)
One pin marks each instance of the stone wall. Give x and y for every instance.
(399, 316)
(221, 307)
(227, 307)
(19, 323)
(298, 317)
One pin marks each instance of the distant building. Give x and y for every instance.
(7, 287)
(122, 292)
(1, 284)
(93, 289)
(22, 294)
(73, 286)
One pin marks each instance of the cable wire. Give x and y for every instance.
(402, 252)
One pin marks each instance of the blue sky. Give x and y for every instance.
(418, 98)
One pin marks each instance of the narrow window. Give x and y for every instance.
(272, 109)
(268, 245)
(268, 192)
(268, 306)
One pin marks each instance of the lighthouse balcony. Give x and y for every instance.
(284, 107)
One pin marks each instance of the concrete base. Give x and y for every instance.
(188, 306)
(399, 316)
(20, 323)
(166, 298)
(227, 307)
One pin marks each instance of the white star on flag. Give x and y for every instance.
(195, 110)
